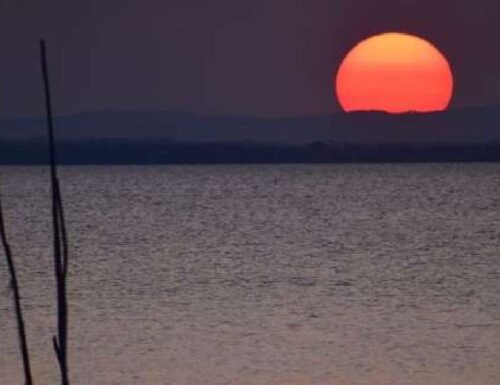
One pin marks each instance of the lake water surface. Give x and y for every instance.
(262, 275)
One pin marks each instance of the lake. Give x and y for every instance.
(262, 275)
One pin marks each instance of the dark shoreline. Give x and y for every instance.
(123, 152)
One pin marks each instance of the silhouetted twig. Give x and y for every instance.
(60, 341)
(28, 380)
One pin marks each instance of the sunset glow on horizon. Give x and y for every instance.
(396, 73)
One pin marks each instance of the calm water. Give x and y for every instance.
(263, 275)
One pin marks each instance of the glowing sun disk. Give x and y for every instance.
(394, 72)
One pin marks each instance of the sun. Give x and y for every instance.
(396, 73)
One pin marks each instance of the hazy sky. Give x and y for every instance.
(261, 57)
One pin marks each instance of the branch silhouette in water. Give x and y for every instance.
(60, 239)
(28, 379)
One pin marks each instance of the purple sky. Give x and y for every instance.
(262, 57)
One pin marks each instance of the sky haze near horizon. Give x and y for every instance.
(238, 57)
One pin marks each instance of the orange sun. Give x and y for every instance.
(394, 72)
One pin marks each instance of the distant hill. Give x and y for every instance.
(169, 137)
(475, 125)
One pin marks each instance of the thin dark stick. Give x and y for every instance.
(64, 236)
(59, 235)
(17, 302)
